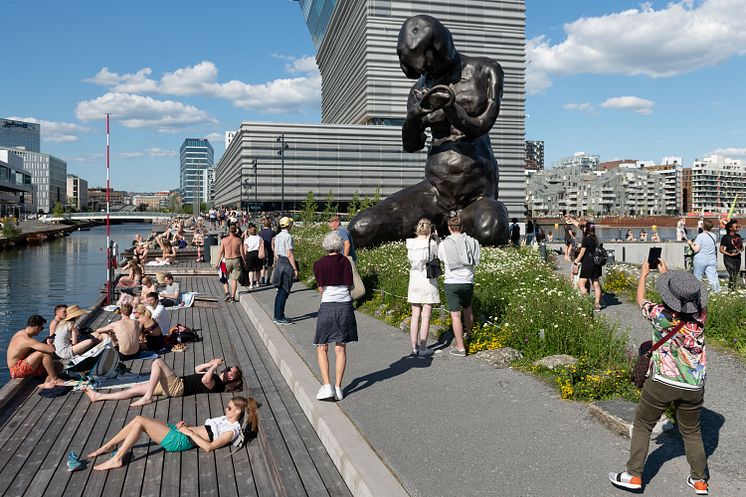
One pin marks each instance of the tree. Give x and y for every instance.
(308, 214)
(354, 206)
(371, 201)
(58, 210)
(331, 207)
(174, 202)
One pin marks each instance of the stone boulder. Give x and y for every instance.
(436, 331)
(500, 358)
(404, 325)
(556, 361)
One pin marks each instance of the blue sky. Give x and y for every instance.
(616, 78)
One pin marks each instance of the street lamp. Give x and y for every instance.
(254, 164)
(283, 147)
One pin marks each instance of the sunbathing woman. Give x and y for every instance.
(163, 381)
(135, 273)
(240, 418)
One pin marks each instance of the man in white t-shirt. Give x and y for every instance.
(158, 312)
(460, 254)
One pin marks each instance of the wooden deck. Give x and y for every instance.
(286, 459)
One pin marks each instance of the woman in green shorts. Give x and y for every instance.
(240, 418)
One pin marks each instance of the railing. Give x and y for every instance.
(100, 216)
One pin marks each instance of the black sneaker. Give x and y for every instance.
(227, 297)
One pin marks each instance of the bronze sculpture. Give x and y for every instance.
(458, 98)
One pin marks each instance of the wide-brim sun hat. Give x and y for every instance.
(285, 222)
(74, 311)
(682, 292)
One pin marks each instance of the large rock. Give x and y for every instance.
(436, 331)
(404, 325)
(500, 358)
(556, 361)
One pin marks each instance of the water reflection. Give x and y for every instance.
(70, 270)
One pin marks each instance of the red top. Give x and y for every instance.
(333, 270)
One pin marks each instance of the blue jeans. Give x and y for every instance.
(280, 299)
(708, 268)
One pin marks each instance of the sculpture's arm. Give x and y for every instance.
(475, 126)
(413, 131)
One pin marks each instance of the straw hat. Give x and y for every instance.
(74, 311)
(160, 277)
(285, 222)
(682, 292)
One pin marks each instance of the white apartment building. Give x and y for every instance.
(579, 159)
(77, 192)
(716, 182)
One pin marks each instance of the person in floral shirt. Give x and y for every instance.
(677, 373)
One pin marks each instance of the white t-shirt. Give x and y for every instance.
(461, 274)
(160, 315)
(222, 425)
(336, 293)
(252, 243)
(63, 345)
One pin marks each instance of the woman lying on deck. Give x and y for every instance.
(163, 381)
(240, 418)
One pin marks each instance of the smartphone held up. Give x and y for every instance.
(654, 254)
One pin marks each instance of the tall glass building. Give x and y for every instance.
(49, 177)
(362, 86)
(20, 134)
(196, 155)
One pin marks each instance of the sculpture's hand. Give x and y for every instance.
(437, 98)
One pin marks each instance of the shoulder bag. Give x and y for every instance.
(432, 266)
(640, 371)
(358, 288)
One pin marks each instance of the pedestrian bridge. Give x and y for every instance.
(101, 216)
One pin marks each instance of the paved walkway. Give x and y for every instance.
(451, 426)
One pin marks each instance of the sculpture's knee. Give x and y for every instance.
(365, 228)
(489, 224)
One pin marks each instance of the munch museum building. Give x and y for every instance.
(357, 147)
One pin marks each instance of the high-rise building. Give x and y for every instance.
(716, 182)
(534, 155)
(77, 192)
(362, 84)
(670, 174)
(20, 134)
(686, 190)
(49, 177)
(196, 155)
(579, 159)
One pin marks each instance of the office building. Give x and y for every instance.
(97, 199)
(16, 190)
(363, 86)
(534, 155)
(20, 134)
(77, 192)
(196, 155)
(716, 182)
(49, 177)
(670, 174)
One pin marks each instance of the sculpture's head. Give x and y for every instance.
(425, 47)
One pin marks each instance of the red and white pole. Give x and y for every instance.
(108, 222)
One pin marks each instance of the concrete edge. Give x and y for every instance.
(10, 390)
(623, 427)
(362, 470)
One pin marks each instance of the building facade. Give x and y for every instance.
(670, 175)
(343, 160)
(16, 189)
(49, 177)
(196, 155)
(534, 155)
(579, 159)
(20, 134)
(77, 192)
(97, 199)
(362, 82)
(716, 182)
(158, 201)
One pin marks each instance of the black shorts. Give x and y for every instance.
(155, 342)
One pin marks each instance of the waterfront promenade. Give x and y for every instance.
(286, 459)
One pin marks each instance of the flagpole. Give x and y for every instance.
(108, 221)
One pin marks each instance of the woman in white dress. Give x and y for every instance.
(423, 291)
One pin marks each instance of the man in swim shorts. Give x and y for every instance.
(29, 357)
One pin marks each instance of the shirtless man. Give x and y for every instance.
(60, 314)
(126, 333)
(232, 249)
(30, 357)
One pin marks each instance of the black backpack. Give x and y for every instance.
(600, 256)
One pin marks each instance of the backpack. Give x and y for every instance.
(107, 365)
(515, 231)
(600, 256)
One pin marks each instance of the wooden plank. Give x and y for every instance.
(25, 407)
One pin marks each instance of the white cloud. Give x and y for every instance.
(636, 104)
(676, 39)
(216, 137)
(582, 107)
(159, 152)
(130, 155)
(137, 111)
(55, 132)
(94, 157)
(289, 95)
(731, 151)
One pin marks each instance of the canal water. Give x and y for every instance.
(71, 270)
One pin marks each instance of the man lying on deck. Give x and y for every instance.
(163, 381)
(240, 418)
(30, 357)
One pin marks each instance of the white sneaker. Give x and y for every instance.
(338, 395)
(326, 392)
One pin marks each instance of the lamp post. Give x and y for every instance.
(254, 164)
(283, 147)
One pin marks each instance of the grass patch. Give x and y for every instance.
(519, 302)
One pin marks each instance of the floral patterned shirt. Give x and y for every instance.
(680, 362)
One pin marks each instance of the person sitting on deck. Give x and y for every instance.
(66, 342)
(135, 269)
(240, 419)
(150, 331)
(164, 382)
(26, 356)
(170, 295)
(126, 333)
(169, 253)
(140, 248)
